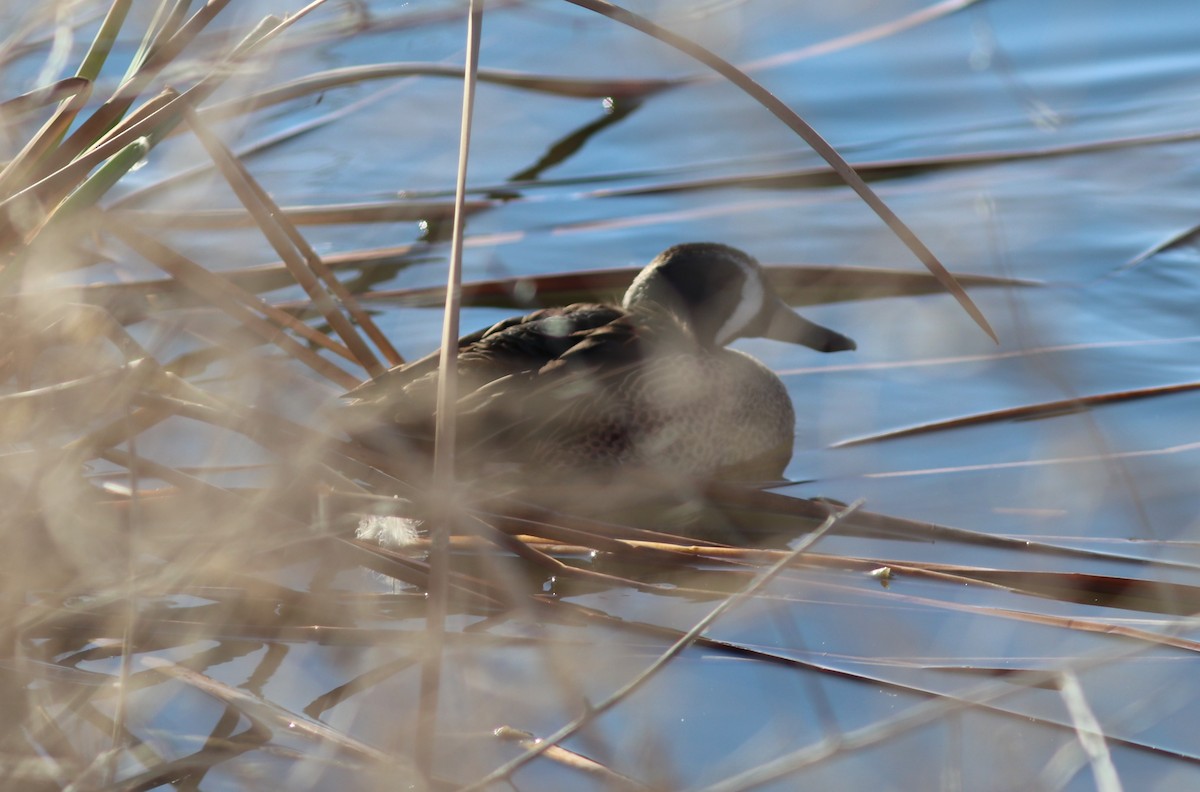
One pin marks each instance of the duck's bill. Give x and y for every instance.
(785, 324)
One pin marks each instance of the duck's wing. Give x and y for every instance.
(496, 368)
(532, 343)
(511, 346)
(576, 396)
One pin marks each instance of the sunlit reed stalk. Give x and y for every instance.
(447, 397)
(301, 260)
(810, 136)
(77, 92)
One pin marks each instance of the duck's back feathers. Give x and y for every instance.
(512, 377)
(591, 386)
(519, 345)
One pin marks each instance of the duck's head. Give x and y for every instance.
(721, 294)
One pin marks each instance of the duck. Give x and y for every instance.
(597, 388)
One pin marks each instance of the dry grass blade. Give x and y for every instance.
(302, 261)
(1105, 456)
(264, 712)
(15, 210)
(810, 136)
(1026, 412)
(238, 303)
(354, 75)
(1090, 734)
(1106, 627)
(1105, 591)
(326, 214)
(127, 93)
(663, 550)
(522, 549)
(504, 772)
(797, 284)
(764, 502)
(1188, 235)
(590, 767)
(477, 591)
(74, 92)
(446, 429)
(920, 17)
(29, 101)
(102, 135)
(879, 170)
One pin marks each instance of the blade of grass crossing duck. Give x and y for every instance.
(810, 136)
(447, 396)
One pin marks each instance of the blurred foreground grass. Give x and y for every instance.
(175, 508)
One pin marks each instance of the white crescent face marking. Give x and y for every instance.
(754, 294)
(634, 292)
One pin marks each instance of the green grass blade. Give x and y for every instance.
(103, 42)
